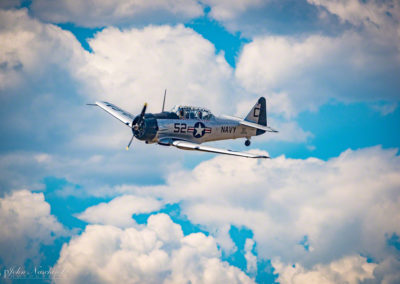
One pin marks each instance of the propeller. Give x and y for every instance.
(130, 142)
(136, 123)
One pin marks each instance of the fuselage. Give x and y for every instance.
(170, 126)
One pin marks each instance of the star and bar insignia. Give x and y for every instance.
(199, 129)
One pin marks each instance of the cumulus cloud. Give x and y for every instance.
(157, 253)
(119, 211)
(258, 17)
(351, 270)
(107, 13)
(39, 67)
(32, 50)
(353, 58)
(86, 174)
(376, 21)
(251, 259)
(227, 10)
(388, 271)
(303, 73)
(382, 15)
(136, 65)
(289, 131)
(344, 206)
(26, 224)
(38, 90)
(7, 4)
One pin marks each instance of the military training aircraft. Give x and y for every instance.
(186, 127)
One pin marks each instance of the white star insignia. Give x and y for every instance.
(199, 130)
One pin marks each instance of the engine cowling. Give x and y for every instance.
(146, 129)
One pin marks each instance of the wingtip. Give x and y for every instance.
(259, 157)
(263, 157)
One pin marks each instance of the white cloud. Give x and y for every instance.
(98, 13)
(303, 73)
(388, 271)
(157, 253)
(351, 270)
(382, 15)
(289, 131)
(7, 4)
(221, 235)
(341, 205)
(385, 108)
(132, 66)
(255, 17)
(228, 10)
(40, 101)
(377, 23)
(31, 50)
(251, 259)
(26, 224)
(119, 211)
(87, 170)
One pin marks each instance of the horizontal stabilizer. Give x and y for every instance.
(258, 126)
(251, 124)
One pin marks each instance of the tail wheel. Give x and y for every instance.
(247, 142)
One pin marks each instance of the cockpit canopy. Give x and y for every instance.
(190, 112)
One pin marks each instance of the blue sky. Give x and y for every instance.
(326, 206)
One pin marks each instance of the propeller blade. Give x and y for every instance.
(143, 110)
(130, 142)
(163, 104)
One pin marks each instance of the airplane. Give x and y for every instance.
(186, 127)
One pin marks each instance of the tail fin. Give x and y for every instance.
(258, 113)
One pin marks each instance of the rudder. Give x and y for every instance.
(258, 113)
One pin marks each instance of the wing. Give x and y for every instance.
(115, 111)
(251, 124)
(185, 145)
